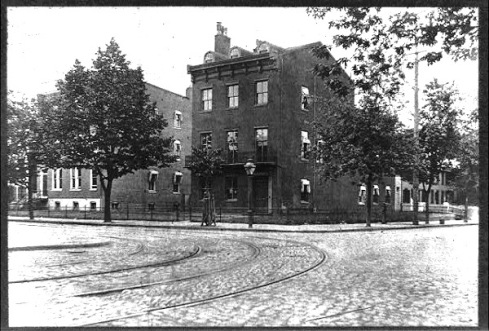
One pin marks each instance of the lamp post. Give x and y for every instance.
(250, 169)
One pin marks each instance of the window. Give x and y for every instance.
(233, 96)
(437, 197)
(304, 98)
(207, 99)
(232, 142)
(432, 195)
(406, 196)
(261, 143)
(177, 119)
(209, 57)
(387, 194)
(177, 148)
(93, 205)
(376, 194)
(115, 205)
(442, 197)
(57, 179)
(305, 145)
(76, 206)
(153, 176)
(177, 181)
(362, 196)
(206, 140)
(75, 175)
(263, 48)
(305, 190)
(231, 187)
(93, 179)
(57, 205)
(234, 53)
(261, 92)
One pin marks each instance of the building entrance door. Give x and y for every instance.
(260, 194)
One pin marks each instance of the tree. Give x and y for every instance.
(102, 119)
(361, 142)
(24, 146)
(206, 163)
(465, 175)
(438, 137)
(381, 46)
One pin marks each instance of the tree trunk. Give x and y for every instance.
(466, 208)
(369, 200)
(30, 190)
(107, 193)
(427, 210)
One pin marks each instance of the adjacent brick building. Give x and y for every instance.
(154, 187)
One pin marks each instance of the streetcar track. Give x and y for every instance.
(256, 253)
(196, 252)
(322, 258)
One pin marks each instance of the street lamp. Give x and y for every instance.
(250, 169)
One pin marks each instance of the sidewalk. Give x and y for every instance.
(306, 228)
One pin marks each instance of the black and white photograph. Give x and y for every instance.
(263, 167)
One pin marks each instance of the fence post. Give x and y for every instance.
(190, 213)
(48, 210)
(85, 212)
(66, 211)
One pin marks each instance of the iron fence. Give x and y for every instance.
(175, 213)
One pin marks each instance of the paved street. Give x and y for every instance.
(83, 275)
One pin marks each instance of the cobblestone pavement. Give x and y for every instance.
(78, 275)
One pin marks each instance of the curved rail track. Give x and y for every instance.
(318, 262)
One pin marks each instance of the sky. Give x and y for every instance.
(44, 42)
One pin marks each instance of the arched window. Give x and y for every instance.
(376, 194)
(263, 48)
(234, 53)
(208, 57)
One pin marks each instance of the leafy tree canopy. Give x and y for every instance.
(102, 119)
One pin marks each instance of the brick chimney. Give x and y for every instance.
(222, 41)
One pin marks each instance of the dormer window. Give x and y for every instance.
(208, 58)
(263, 48)
(234, 53)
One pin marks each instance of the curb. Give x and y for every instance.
(201, 228)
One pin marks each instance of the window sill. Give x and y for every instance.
(176, 193)
(94, 189)
(75, 189)
(152, 191)
(231, 200)
(177, 127)
(57, 189)
(304, 202)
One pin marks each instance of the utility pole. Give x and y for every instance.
(416, 143)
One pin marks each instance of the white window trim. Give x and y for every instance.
(175, 175)
(91, 181)
(179, 126)
(362, 188)
(305, 183)
(304, 95)
(78, 180)
(152, 172)
(56, 180)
